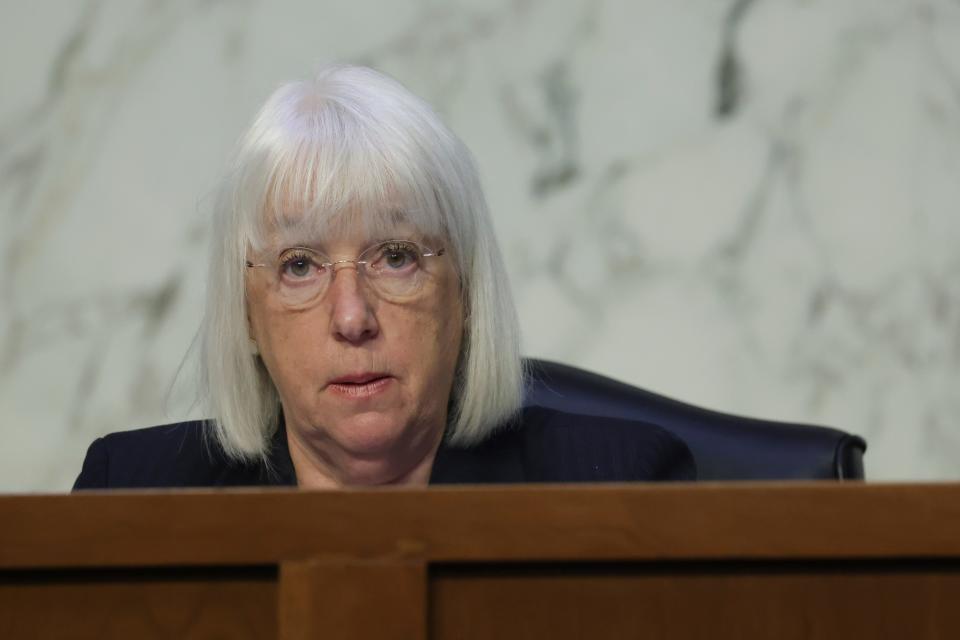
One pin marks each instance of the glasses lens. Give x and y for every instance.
(301, 275)
(395, 268)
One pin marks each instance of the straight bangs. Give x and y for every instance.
(330, 172)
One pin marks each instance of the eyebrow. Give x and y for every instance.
(317, 246)
(294, 229)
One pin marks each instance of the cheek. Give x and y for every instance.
(452, 332)
(288, 344)
(446, 335)
(423, 341)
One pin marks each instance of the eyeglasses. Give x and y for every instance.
(395, 269)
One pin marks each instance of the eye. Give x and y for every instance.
(299, 267)
(397, 257)
(298, 264)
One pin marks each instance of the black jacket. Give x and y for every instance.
(539, 445)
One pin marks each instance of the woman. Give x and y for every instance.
(359, 329)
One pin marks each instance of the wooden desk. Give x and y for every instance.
(614, 561)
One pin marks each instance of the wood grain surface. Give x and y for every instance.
(139, 603)
(352, 599)
(609, 522)
(819, 561)
(702, 602)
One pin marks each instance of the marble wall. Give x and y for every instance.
(747, 204)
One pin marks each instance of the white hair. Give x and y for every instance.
(353, 140)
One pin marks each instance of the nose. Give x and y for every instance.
(352, 317)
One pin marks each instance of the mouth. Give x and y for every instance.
(360, 385)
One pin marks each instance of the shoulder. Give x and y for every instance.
(173, 455)
(565, 447)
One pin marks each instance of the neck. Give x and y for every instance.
(318, 469)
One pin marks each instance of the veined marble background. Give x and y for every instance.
(753, 205)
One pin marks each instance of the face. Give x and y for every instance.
(364, 379)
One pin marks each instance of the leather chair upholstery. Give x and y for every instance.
(725, 447)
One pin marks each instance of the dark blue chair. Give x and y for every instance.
(726, 447)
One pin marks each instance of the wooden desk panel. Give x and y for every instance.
(698, 601)
(684, 561)
(141, 604)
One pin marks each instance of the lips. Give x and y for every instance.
(359, 378)
(360, 385)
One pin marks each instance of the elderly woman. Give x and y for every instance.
(359, 328)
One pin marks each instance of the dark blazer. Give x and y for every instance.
(539, 445)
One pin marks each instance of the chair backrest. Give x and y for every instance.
(726, 447)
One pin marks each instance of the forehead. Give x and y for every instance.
(355, 227)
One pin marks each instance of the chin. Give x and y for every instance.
(380, 450)
(371, 434)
